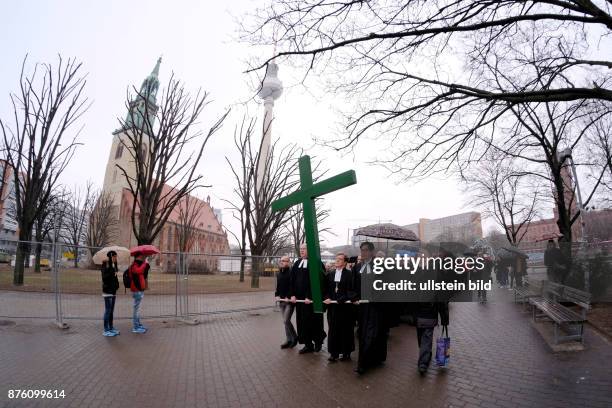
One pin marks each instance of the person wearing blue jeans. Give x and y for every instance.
(136, 316)
(110, 284)
(138, 272)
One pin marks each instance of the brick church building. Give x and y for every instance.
(209, 236)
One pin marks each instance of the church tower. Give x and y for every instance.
(144, 101)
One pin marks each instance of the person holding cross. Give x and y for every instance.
(338, 297)
(309, 324)
(373, 325)
(308, 277)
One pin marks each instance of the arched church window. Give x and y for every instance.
(119, 151)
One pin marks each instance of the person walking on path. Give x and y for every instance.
(427, 319)
(309, 324)
(283, 288)
(373, 328)
(339, 288)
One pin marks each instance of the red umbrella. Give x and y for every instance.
(145, 250)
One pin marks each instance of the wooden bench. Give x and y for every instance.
(548, 305)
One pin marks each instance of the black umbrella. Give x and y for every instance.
(388, 231)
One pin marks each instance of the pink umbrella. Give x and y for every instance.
(145, 250)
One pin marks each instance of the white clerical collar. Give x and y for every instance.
(303, 263)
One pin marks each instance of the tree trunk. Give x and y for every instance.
(255, 271)
(19, 264)
(38, 253)
(242, 263)
(26, 255)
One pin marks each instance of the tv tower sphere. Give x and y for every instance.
(271, 87)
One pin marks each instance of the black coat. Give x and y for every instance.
(357, 278)
(300, 281)
(283, 283)
(343, 290)
(110, 283)
(427, 314)
(340, 316)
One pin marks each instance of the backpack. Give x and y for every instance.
(127, 279)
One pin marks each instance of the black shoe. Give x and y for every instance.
(332, 358)
(345, 357)
(293, 344)
(306, 349)
(422, 370)
(359, 370)
(318, 346)
(286, 345)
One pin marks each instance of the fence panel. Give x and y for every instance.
(31, 292)
(68, 285)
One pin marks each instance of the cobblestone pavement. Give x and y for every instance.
(232, 360)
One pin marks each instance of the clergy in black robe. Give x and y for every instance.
(309, 324)
(340, 317)
(373, 325)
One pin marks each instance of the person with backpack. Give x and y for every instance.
(110, 284)
(135, 277)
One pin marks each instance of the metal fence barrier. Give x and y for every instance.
(61, 283)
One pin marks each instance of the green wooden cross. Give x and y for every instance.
(306, 196)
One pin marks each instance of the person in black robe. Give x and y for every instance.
(339, 288)
(373, 325)
(309, 324)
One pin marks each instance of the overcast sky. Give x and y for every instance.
(119, 42)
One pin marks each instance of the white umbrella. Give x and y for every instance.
(123, 255)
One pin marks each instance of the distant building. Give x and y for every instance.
(8, 217)
(459, 227)
(539, 231)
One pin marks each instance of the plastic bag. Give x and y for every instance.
(443, 349)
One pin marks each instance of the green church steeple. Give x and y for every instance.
(145, 100)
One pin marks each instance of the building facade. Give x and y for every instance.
(8, 218)
(459, 227)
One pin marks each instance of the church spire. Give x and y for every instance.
(145, 100)
(155, 71)
(151, 84)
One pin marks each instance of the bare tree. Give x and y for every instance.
(49, 220)
(38, 147)
(166, 151)
(103, 224)
(295, 225)
(544, 138)
(600, 150)
(496, 239)
(510, 198)
(261, 228)
(189, 211)
(384, 42)
(420, 72)
(76, 217)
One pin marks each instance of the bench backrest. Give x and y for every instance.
(579, 297)
(552, 290)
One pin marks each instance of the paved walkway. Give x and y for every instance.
(233, 360)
